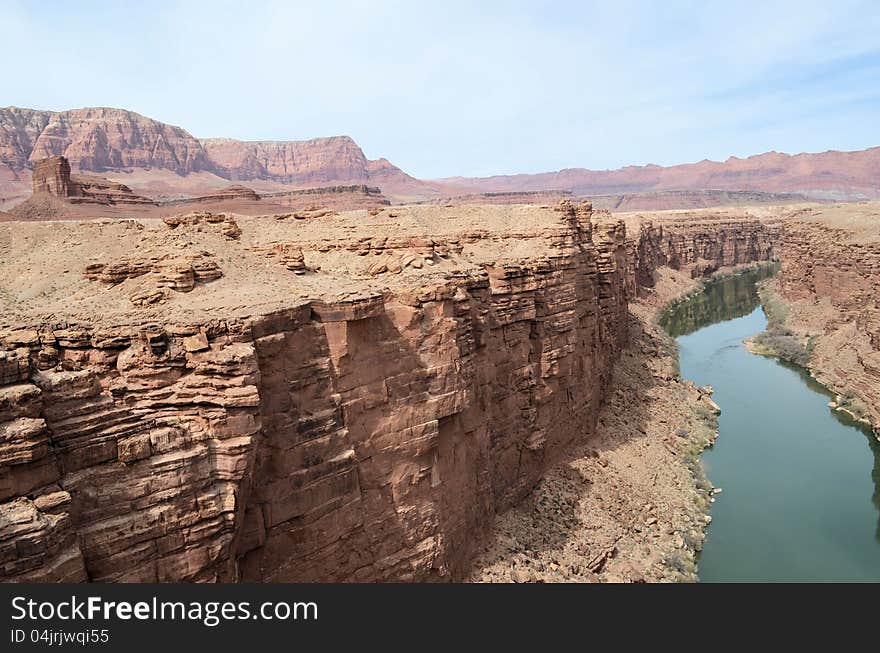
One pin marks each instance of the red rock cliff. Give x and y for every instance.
(105, 139)
(367, 438)
(830, 276)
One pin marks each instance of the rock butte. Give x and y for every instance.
(354, 396)
(60, 195)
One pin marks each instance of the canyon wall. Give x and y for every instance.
(367, 438)
(98, 139)
(830, 279)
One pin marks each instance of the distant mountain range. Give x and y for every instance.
(829, 175)
(167, 162)
(125, 145)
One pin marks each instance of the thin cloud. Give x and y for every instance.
(463, 88)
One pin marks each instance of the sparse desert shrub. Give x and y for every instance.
(778, 340)
(678, 561)
(781, 342)
(706, 413)
(775, 309)
(703, 484)
(853, 405)
(692, 540)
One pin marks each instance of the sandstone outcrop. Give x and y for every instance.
(55, 188)
(223, 222)
(288, 255)
(510, 197)
(334, 425)
(331, 197)
(58, 194)
(158, 274)
(52, 176)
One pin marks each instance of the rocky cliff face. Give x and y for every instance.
(372, 435)
(103, 139)
(19, 131)
(830, 277)
(106, 140)
(315, 162)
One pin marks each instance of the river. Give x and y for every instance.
(800, 482)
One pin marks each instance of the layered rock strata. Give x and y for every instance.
(52, 176)
(54, 187)
(58, 194)
(830, 280)
(369, 435)
(358, 196)
(106, 140)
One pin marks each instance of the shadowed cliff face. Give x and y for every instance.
(367, 438)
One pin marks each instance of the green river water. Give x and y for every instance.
(801, 482)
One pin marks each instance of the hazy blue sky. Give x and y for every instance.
(473, 88)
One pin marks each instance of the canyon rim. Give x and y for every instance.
(375, 394)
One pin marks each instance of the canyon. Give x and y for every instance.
(165, 162)
(829, 287)
(266, 385)
(353, 397)
(357, 396)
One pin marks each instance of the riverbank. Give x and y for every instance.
(823, 314)
(630, 505)
(795, 474)
(828, 292)
(792, 335)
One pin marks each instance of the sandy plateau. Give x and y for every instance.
(424, 392)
